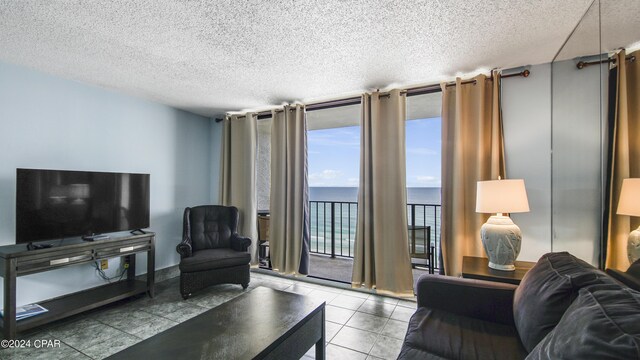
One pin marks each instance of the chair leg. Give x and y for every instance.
(185, 296)
(245, 286)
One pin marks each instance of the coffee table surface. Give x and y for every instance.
(246, 327)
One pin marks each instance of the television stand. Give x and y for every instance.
(95, 237)
(32, 246)
(17, 260)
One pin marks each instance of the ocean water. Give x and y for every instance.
(415, 195)
(423, 215)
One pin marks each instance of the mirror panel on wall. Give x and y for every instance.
(576, 142)
(579, 125)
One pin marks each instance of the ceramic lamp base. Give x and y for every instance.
(510, 267)
(633, 246)
(501, 239)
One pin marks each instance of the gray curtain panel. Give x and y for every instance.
(381, 258)
(472, 150)
(238, 174)
(289, 208)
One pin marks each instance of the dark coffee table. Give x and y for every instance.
(261, 324)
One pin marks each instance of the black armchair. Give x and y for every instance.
(211, 251)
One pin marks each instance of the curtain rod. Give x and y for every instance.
(419, 90)
(437, 88)
(583, 64)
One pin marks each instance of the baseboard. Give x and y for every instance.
(163, 274)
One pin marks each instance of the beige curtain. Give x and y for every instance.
(472, 150)
(381, 258)
(238, 178)
(626, 156)
(289, 237)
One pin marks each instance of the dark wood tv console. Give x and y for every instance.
(16, 260)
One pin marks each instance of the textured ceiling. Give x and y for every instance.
(214, 56)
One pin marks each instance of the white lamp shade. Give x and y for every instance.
(501, 196)
(629, 203)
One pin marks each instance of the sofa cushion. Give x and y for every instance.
(602, 323)
(214, 259)
(434, 334)
(547, 290)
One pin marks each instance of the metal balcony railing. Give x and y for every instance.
(333, 230)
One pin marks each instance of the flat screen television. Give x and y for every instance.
(55, 204)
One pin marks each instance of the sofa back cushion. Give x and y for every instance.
(602, 323)
(211, 226)
(547, 290)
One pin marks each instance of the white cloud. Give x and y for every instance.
(325, 175)
(423, 181)
(425, 178)
(324, 178)
(335, 138)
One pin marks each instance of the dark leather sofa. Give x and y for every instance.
(564, 308)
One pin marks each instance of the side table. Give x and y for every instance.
(478, 268)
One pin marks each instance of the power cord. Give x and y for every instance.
(103, 275)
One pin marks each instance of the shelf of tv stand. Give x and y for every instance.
(72, 304)
(17, 260)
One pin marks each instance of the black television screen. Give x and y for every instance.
(54, 204)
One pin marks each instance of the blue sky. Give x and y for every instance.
(334, 155)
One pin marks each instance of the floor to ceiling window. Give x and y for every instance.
(333, 159)
(423, 149)
(333, 147)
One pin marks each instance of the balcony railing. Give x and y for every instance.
(333, 230)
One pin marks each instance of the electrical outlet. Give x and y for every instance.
(104, 264)
(126, 263)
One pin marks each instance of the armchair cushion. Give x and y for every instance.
(547, 290)
(484, 300)
(214, 259)
(602, 323)
(210, 226)
(435, 334)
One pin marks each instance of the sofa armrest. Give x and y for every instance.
(625, 278)
(239, 243)
(485, 300)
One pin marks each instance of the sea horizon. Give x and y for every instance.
(423, 217)
(415, 195)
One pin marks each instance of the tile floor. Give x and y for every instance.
(359, 325)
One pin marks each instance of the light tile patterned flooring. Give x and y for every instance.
(359, 325)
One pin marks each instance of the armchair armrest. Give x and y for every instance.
(239, 243)
(485, 300)
(184, 249)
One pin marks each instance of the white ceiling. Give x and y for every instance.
(209, 57)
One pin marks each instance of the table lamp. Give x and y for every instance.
(629, 204)
(501, 238)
